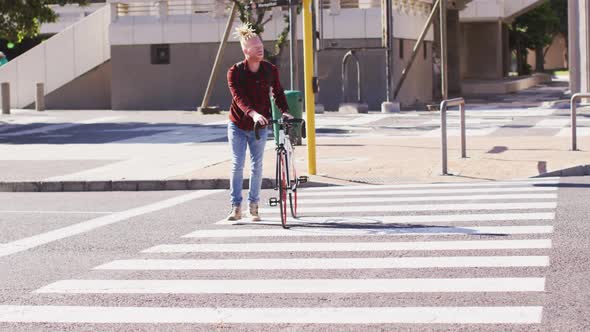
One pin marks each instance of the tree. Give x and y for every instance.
(534, 30)
(560, 8)
(22, 18)
(256, 17)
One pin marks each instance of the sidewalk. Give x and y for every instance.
(411, 160)
(112, 150)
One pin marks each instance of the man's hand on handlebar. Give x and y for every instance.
(287, 116)
(260, 119)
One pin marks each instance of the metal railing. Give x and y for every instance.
(188, 7)
(410, 7)
(348, 55)
(573, 108)
(169, 7)
(443, 129)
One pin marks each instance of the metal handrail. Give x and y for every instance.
(351, 54)
(573, 108)
(443, 129)
(173, 7)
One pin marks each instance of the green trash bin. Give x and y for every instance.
(295, 102)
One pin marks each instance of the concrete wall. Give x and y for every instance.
(483, 51)
(417, 88)
(60, 59)
(89, 91)
(137, 84)
(68, 15)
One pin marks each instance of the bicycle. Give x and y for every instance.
(286, 180)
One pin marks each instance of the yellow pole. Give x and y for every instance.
(308, 77)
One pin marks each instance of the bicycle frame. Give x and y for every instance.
(285, 146)
(285, 173)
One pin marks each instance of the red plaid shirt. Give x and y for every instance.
(250, 92)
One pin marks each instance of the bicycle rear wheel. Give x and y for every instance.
(282, 173)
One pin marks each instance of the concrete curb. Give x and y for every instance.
(190, 184)
(581, 170)
(138, 185)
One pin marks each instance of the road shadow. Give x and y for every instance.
(366, 228)
(103, 133)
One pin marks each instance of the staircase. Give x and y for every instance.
(60, 59)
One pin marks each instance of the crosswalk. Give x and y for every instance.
(506, 122)
(459, 253)
(479, 122)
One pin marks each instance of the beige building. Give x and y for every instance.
(135, 54)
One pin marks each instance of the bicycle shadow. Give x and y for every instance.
(367, 226)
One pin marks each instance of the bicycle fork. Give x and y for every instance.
(273, 201)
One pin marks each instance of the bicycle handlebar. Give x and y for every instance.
(280, 122)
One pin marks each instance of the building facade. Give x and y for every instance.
(158, 55)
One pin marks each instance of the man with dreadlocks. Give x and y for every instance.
(250, 82)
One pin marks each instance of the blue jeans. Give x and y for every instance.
(238, 140)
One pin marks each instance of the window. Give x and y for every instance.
(160, 54)
(425, 48)
(401, 48)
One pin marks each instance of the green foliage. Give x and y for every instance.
(559, 7)
(20, 19)
(537, 26)
(256, 19)
(536, 29)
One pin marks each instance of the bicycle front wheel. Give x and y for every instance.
(282, 173)
(294, 185)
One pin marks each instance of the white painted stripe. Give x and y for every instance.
(443, 218)
(56, 212)
(521, 183)
(295, 286)
(86, 226)
(24, 120)
(304, 193)
(468, 121)
(101, 120)
(315, 315)
(416, 207)
(325, 263)
(469, 132)
(321, 231)
(424, 198)
(516, 112)
(552, 123)
(61, 126)
(352, 246)
(364, 120)
(580, 132)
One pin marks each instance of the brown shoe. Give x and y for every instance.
(236, 213)
(254, 212)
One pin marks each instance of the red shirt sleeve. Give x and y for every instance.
(278, 93)
(238, 92)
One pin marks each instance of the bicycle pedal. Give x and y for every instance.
(302, 179)
(273, 201)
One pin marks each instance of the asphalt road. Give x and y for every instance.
(457, 257)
